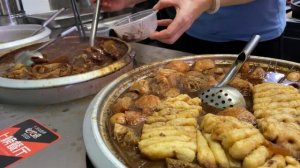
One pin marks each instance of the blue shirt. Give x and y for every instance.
(240, 22)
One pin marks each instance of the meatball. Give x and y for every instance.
(173, 92)
(172, 75)
(204, 64)
(258, 74)
(122, 104)
(134, 117)
(179, 66)
(141, 86)
(148, 102)
(118, 118)
(174, 79)
(243, 86)
(293, 76)
(160, 85)
(132, 95)
(197, 83)
(219, 71)
(246, 68)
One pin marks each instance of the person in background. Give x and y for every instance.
(217, 26)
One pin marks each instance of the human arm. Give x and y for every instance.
(116, 5)
(187, 11)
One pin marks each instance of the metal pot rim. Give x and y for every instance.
(95, 137)
(21, 27)
(68, 80)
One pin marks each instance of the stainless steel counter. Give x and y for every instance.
(67, 119)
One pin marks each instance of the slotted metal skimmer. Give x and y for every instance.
(222, 96)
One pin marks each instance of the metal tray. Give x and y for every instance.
(99, 148)
(56, 90)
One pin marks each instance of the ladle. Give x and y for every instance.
(222, 96)
(48, 21)
(25, 57)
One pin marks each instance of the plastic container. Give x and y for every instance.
(136, 27)
(102, 30)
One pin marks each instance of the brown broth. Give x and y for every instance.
(65, 49)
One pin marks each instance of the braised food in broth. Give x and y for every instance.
(64, 58)
(160, 122)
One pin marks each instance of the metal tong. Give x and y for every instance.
(95, 24)
(78, 21)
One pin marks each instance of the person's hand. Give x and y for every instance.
(187, 11)
(113, 5)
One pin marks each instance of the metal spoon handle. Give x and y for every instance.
(95, 24)
(48, 21)
(61, 35)
(239, 62)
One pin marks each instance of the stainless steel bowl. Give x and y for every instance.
(15, 36)
(95, 132)
(55, 90)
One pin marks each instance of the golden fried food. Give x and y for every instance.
(240, 113)
(125, 135)
(244, 86)
(194, 81)
(171, 131)
(218, 152)
(183, 114)
(237, 134)
(269, 112)
(204, 64)
(272, 89)
(242, 148)
(257, 74)
(293, 76)
(276, 106)
(140, 86)
(275, 161)
(233, 163)
(122, 104)
(256, 158)
(204, 156)
(211, 122)
(173, 76)
(134, 117)
(179, 66)
(173, 92)
(268, 85)
(148, 102)
(160, 85)
(292, 161)
(118, 118)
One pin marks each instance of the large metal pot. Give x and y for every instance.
(95, 132)
(55, 90)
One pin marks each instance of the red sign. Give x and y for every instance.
(23, 140)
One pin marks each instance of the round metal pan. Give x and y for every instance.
(96, 138)
(56, 90)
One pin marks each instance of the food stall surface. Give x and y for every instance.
(67, 118)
